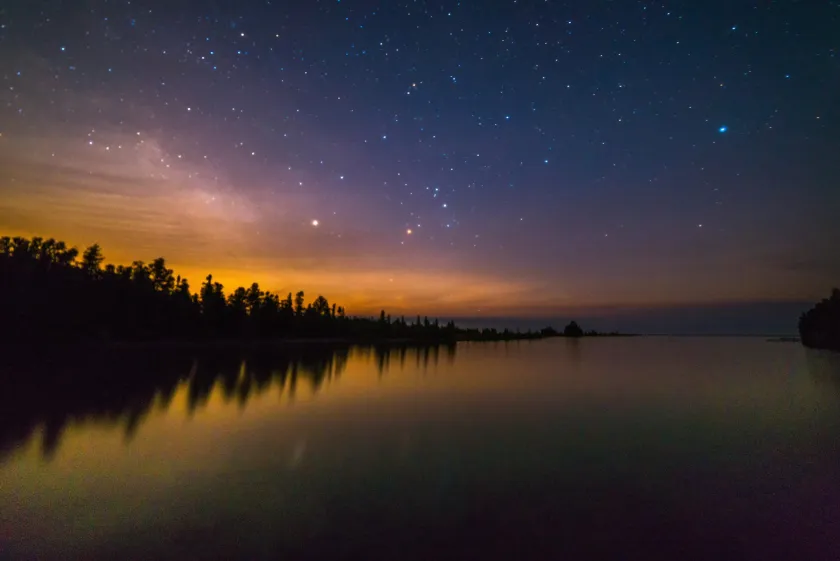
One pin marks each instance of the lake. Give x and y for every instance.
(613, 448)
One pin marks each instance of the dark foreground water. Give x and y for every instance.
(638, 448)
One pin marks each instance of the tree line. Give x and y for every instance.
(819, 327)
(49, 291)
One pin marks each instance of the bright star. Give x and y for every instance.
(723, 129)
(315, 223)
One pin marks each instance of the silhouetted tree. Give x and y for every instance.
(573, 330)
(140, 274)
(253, 297)
(92, 260)
(819, 327)
(299, 303)
(236, 302)
(163, 279)
(321, 307)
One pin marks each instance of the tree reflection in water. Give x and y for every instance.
(44, 393)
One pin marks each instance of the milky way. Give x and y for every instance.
(463, 158)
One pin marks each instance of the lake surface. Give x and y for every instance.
(629, 448)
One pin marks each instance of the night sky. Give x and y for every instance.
(456, 158)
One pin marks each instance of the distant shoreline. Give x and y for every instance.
(307, 341)
(208, 344)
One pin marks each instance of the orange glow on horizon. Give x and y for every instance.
(203, 225)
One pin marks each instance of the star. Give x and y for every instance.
(628, 125)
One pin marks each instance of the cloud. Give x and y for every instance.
(139, 201)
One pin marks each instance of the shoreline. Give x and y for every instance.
(207, 344)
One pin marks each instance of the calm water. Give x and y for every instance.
(616, 449)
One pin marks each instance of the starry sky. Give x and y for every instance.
(469, 159)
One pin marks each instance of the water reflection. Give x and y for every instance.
(638, 448)
(43, 395)
(824, 368)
